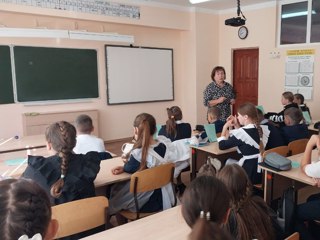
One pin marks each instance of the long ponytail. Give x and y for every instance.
(208, 230)
(146, 125)
(174, 114)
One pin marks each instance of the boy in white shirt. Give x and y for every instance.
(85, 141)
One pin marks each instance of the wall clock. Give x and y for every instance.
(243, 32)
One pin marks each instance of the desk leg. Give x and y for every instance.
(268, 187)
(193, 164)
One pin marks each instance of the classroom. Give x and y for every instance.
(200, 40)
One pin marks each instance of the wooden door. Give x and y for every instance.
(245, 76)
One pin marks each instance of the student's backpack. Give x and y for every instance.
(286, 211)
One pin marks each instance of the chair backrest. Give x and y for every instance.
(80, 215)
(152, 178)
(294, 236)
(297, 146)
(282, 150)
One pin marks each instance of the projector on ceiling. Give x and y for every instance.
(235, 22)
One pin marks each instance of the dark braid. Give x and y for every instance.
(62, 136)
(24, 209)
(246, 208)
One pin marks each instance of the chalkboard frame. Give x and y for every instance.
(6, 82)
(109, 89)
(72, 89)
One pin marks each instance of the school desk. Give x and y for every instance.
(10, 161)
(275, 182)
(200, 154)
(105, 177)
(22, 143)
(166, 225)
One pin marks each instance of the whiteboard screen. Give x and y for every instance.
(137, 74)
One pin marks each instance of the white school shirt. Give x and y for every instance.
(87, 143)
(313, 169)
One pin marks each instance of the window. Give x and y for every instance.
(300, 22)
(315, 21)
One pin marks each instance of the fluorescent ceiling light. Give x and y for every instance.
(56, 33)
(106, 37)
(198, 1)
(296, 14)
(33, 32)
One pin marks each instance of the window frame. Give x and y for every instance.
(308, 32)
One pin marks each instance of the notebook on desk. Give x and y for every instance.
(307, 117)
(155, 135)
(211, 132)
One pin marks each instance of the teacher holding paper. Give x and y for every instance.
(219, 93)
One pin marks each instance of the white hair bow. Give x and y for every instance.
(37, 236)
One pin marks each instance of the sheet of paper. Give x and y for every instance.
(261, 108)
(307, 117)
(211, 132)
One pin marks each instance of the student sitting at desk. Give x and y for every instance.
(206, 207)
(245, 138)
(213, 116)
(249, 217)
(294, 129)
(87, 142)
(65, 176)
(287, 102)
(310, 211)
(175, 129)
(25, 211)
(299, 99)
(146, 153)
(272, 136)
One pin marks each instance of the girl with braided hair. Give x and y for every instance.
(146, 153)
(205, 208)
(244, 132)
(249, 217)
(64, 175)
(175, 129)
(25, 211)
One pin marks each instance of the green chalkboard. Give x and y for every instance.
(6, 88)
(55, 73)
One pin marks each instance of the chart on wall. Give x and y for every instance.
(299, 72)
(86, 6)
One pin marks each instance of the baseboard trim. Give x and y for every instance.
(128, 139)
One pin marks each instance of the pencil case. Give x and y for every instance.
(277, 161)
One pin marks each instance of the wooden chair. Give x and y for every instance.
(297, 146)
(148, 180)
(294, 236)
(80, 215)
(282, 150)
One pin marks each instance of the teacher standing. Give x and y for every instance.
(219, 93)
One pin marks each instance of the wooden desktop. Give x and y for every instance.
(199, 156)
(168, 225)
(277, 181)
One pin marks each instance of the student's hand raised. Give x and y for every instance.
(117, 170)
